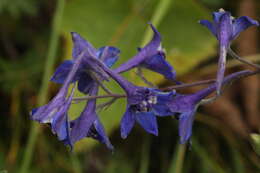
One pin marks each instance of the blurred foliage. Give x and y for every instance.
(16, 8)
(256, 142)
(27, 77)
(123, 24)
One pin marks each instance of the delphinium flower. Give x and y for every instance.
(79, 69)
(151, 57)
(85, 81)
(90, 67)
(143, 104)
(184, 106)
(226, 29)
(55, 112)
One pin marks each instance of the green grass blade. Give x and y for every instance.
(178, 159)
(42, 98)
(160, 12)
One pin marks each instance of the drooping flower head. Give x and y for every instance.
(151, 57)
(226, 29)
(185, 105)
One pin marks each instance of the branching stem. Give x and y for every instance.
(181, 86)
(234, 55)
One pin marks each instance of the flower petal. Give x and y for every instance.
(60, 126)
(224, 29)
(81, 45)
(60, 123)
(209, 25)
(85, 83)
(161, 108)
(62, 72)
(217, 15)
(148, 121)
(241, 24)
(45, 113)
(157, 63)
(98, 132)
(181, 103)
(149, 50)
(81, 126)
(185, 125)
(108, 54)
(127, 123)
(59, 120)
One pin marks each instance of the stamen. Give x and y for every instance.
(221, 10)
(144, 103)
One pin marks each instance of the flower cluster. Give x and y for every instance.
(90, 67)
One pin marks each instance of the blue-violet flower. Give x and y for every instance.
(151, 57)
(108, 55)
(185, 105)
(226, 29)
(88, 123)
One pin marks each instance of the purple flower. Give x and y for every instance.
(108, 55)
(143, 104)
(185, 106)
(150, 57)
(88, 123)
(157, 63)
(55, 112)
(79, 69)
(226, 29)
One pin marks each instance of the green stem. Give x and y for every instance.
(144, 164)
(42, 98)
(75, 163)
(178, 159)
(206, 158)
(160, 12)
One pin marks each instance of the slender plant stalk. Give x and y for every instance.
(160, 12)
(206, 158)
(42, 98)
(243, 60)
(249, 73)
(187, 85)
(76, 163)
(231, 64)
(145, 156)
(178, 159)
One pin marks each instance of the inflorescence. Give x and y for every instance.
(90, 67)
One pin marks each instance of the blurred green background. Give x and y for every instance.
(35, 38)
